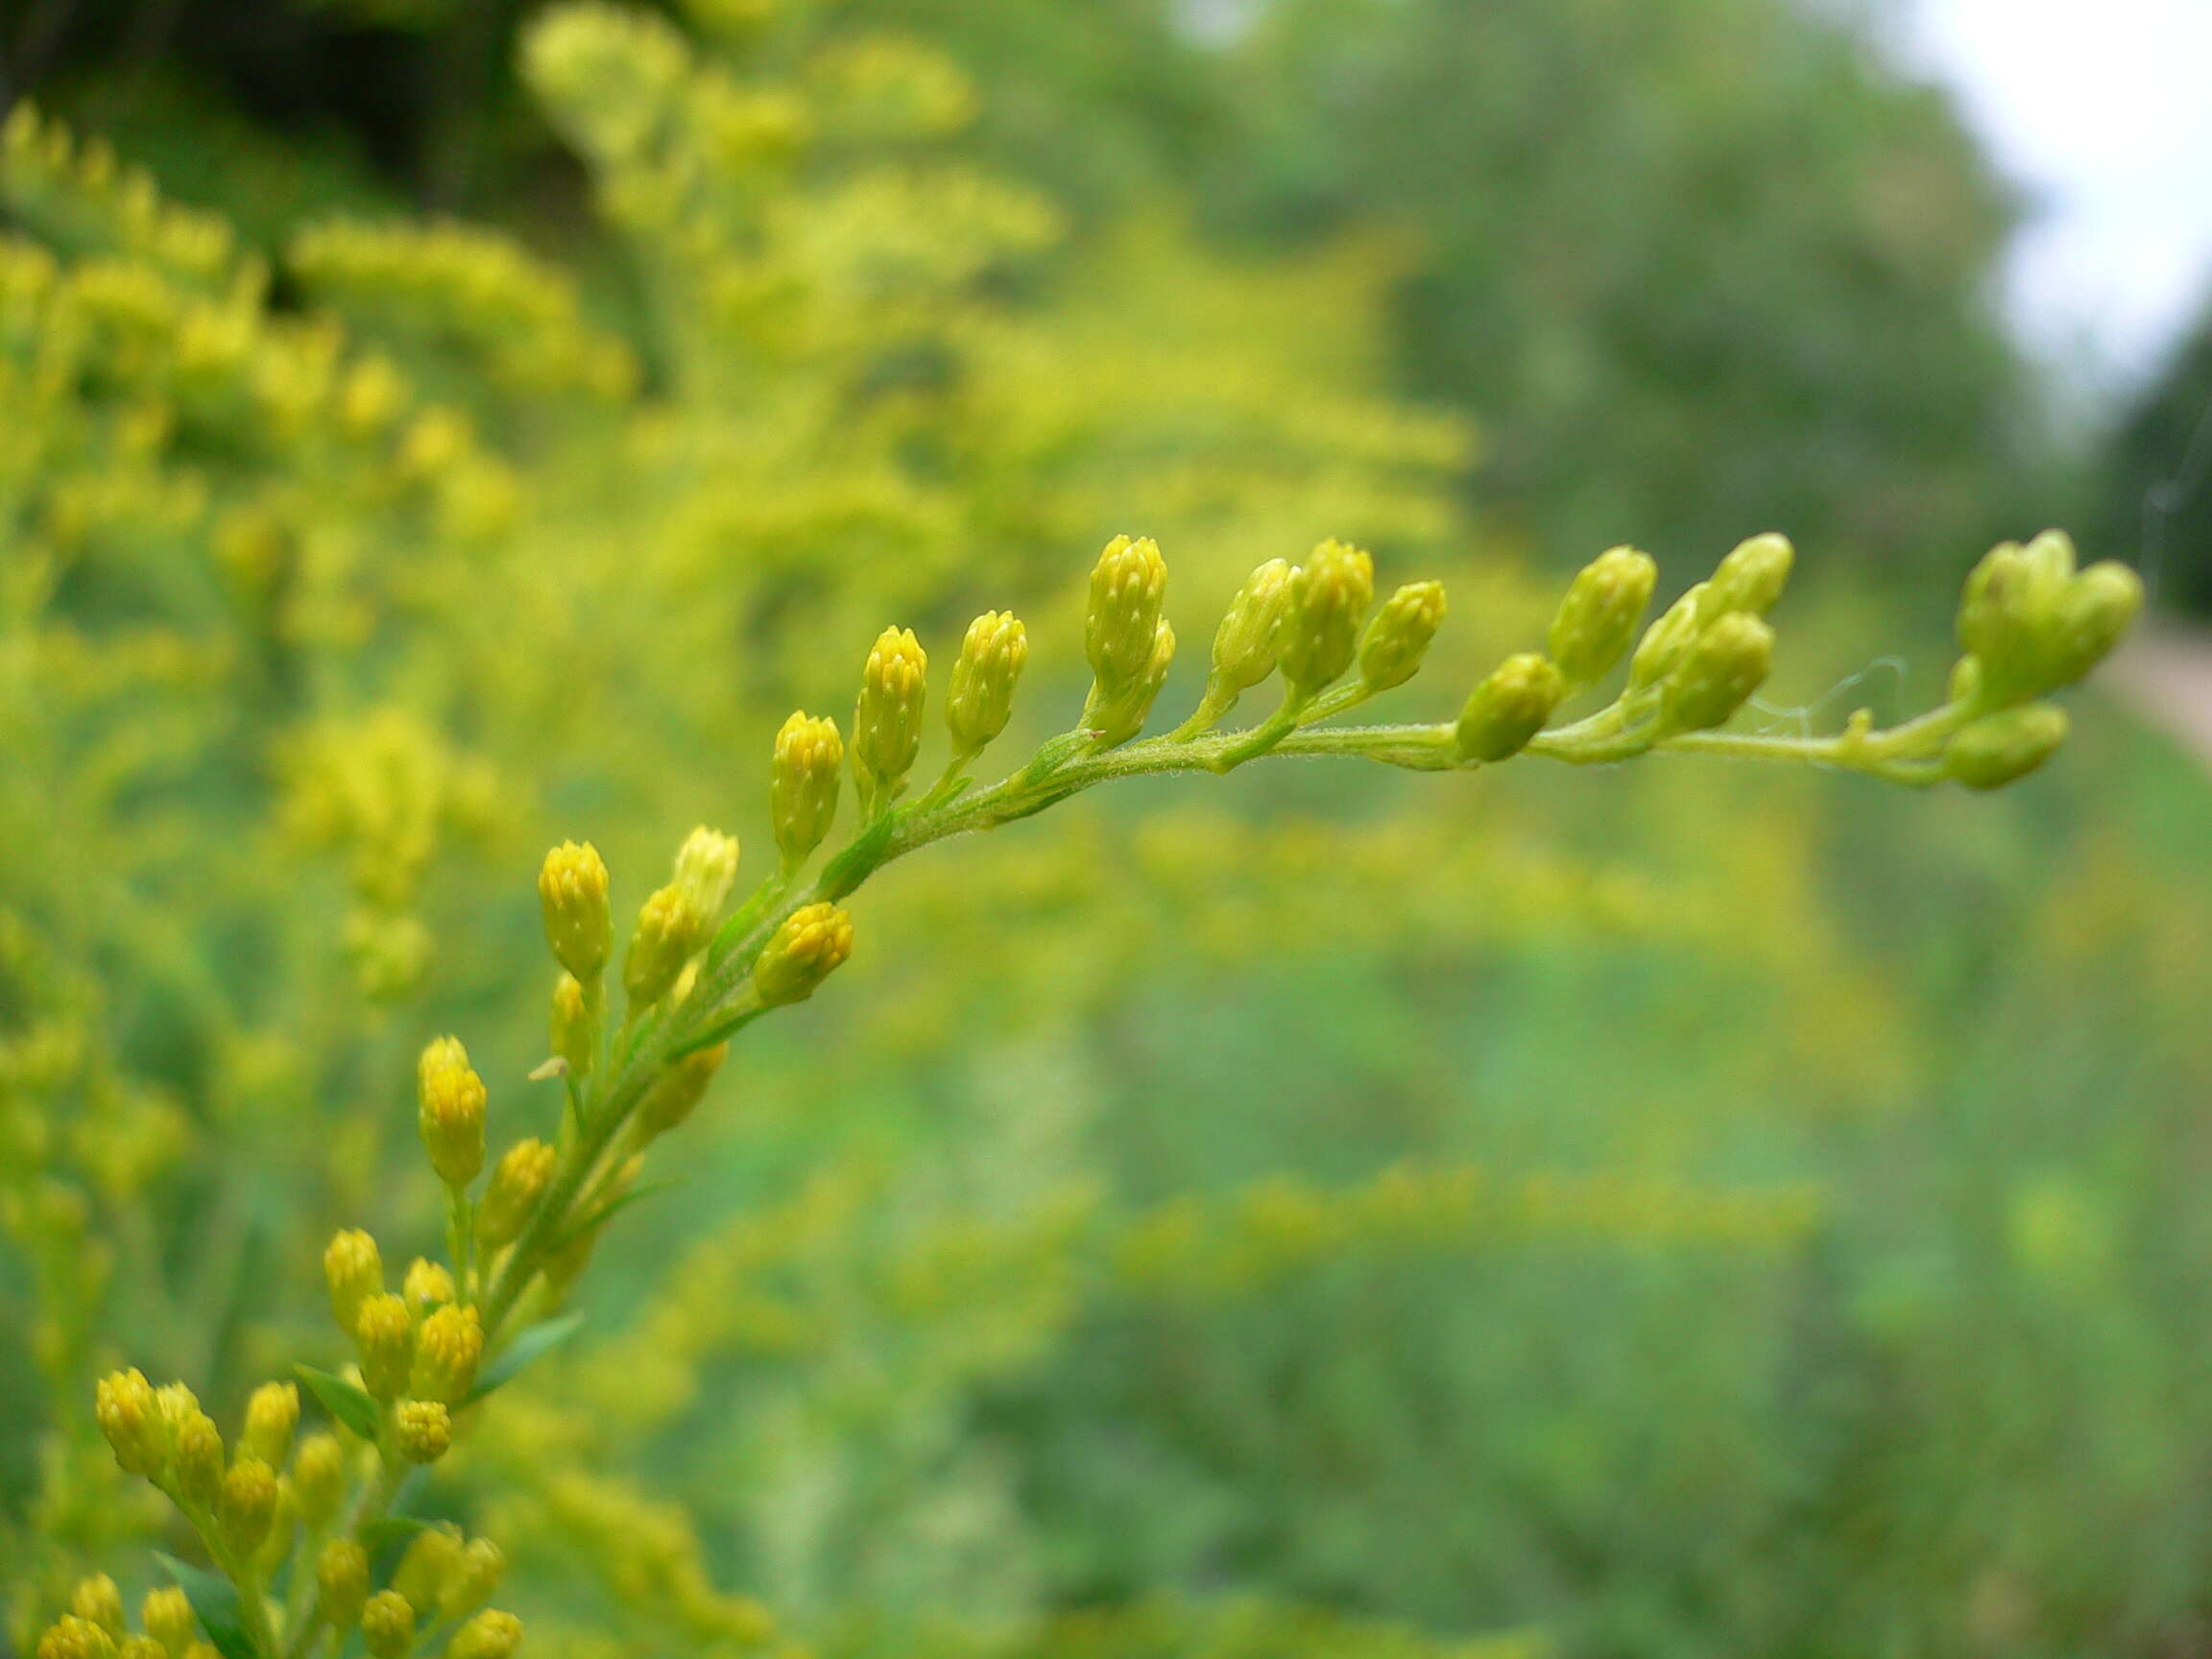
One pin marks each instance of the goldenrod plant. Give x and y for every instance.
(343, 574)
(289, 1531)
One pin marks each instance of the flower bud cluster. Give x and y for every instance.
(450, 1098)
(246, 1505)
(419, 1351)
(1724, 667)
(2029, 623)
(887, 718)
(1246, 644)
(510, 1196)
(1320, 632)
(1998, 749)
(422, 1345)
(441, 1579)
(1508, 709)
(572, 894)
(1128, 642)
(1598, 619)
(2034, 623)
(1712, 649)
(95, 1626)
(803, 784)
(705, 870)
(813, 944)
(985, 675)
(671, 929)
(1397, 640)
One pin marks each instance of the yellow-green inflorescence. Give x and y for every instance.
(985, 675)
(413, 1364)
(804, 777)
(887, 718)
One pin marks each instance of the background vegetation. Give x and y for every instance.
(524, 409)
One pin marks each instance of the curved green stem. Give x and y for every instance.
(721, 999)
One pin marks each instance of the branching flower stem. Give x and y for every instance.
(2032, 623)
(721, 1002)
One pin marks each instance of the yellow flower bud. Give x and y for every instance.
(1598, 615)
(384, 1335)
(195, 1450)
(706, 869)
(803, 784)
(1244, 645)
(1127, 587)
(448, 1349)
(1328, 594)
(2101, 605)
(427, 1565)
(1114, 716)
(985, 675)
(427, 1285)
(342, 1580)
(573, 892)
(449, 1111)
(354, 1272)
(491, 1635)
(1749, 580)
(246, 1505)
(805, 950)
(318, 1478)
(574, 1027)
(887, 719)
(1724, 667)
(2050, 559)
(680, 1090)
(511, 1198)
(472, 1578)
(200, 1650)
(388, 1626)
(2035, 624)
(1667, 640)
(668, 932)
(98, 1602)
(271, 1414)
(1992, 752)
(1991, 607)
(70, 1637)
(423, 1430)
(1397, 639)
(1508, 709)
(140, 1647)
(128, 1414)
(167, 1616)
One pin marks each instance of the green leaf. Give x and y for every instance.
(533, 1343)
(615, 1207)
(386, 1539)
(215, 1600)
(386, 1530)
(350, 1405)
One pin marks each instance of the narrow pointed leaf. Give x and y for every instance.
(350, 1405)
(389, 1530)
(613, 1206)
(215, 1599)
(533, 1344)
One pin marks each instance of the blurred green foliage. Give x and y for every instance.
(1804, 1252)
(1712, 263)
